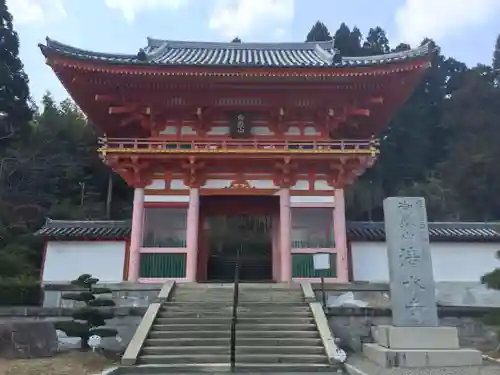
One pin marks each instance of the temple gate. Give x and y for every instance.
(231, 145)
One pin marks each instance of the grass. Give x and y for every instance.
(72, 363)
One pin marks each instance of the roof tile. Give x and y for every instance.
(271, 55)
(356, 231)
(456, 232)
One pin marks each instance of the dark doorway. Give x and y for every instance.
(237, 228)
(250, 236)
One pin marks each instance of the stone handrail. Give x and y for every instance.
(331, 348)
(135, 345)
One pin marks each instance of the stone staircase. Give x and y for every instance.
(276, 332)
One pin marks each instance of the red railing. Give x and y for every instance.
(111, 144)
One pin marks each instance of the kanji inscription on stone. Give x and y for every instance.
(413, 296)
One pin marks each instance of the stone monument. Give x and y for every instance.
(415, 338)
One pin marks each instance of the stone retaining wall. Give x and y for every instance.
(353, 325)
(125, 322)
(350, 325)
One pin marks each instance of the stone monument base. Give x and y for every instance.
(419, 347)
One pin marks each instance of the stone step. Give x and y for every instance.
(225, 341)
(229, 301)
(278, 335)
(226, 350)
(240, 310)
(242, 298)
(201, 326)
(241, 291)
(241, 320)
(241, 314)
(242, 286)
(242, 358)
(214, 306)
(224, 369)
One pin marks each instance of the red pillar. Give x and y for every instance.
(285, 236)
(339, 228)
(136, 235)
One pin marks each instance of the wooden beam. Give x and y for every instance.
(115, 110)
(104, 98)
(360, 112)
(377, 100)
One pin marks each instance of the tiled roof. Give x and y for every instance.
(458, 231)
(356, 231)
(271, 55)
(92, 229)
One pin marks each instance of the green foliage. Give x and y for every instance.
(492, 281)
(319, 33)
(90, 318)
(15, 112)
(55, 172)
(20, 292)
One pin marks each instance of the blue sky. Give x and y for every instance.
(465, 29)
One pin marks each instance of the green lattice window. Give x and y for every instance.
(303, 266)
(160, 265)
(313, 244)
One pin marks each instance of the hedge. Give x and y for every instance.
(15, 292)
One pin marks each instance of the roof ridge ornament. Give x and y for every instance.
(141, 55)
(331, 58)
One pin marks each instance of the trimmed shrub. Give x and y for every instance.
(90, 318)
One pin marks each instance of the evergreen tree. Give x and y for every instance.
(496, 55)
(347, 41)
(496, 62)
(318, 33)
(376, 42)
(15, 112)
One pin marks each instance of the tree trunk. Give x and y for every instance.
(109, 196)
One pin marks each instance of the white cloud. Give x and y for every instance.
(439, 19)
(243, 18)
(130, 8)
(36, 11)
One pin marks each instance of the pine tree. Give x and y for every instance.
(496, 55)
(492, 281)
(347, 41)
(89, 319)
(319, 33)
(15, 112)
(496, 62)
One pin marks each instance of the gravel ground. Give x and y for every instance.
(74, 363)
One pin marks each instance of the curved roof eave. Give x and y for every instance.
(161, 53)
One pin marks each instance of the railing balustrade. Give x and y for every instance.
(154, 145)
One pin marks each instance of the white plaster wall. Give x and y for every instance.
(301, 185)
(156, 185)
(451, 261)
(166, 198)
(315, 199)
(65, 261)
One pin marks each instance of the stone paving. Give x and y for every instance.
(361, 366)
